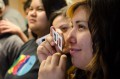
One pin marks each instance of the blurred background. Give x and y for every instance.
(18, 4)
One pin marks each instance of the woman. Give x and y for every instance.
(28, 50)
(91, 43)
(26, 66)
(79, 36)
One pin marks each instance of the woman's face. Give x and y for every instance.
(37, 18)
(62, 23)
(79, 39)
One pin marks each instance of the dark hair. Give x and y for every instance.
(27, 4)
(6, 2)
(104, 27)
(53, 5)
(62, 11)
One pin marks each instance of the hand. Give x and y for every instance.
(8, 27)
(54, 67)
(58, 36)
(46, 48)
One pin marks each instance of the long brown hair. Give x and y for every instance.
(96, 69)
(104, 24)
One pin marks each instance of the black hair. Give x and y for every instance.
(6, 2)
(104, 26)
(62, 11)
(27, 4)
(53, 5)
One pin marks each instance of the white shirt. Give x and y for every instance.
(40, 40)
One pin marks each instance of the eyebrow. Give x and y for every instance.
(63, 25)
(80, 21)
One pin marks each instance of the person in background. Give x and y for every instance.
(26, 10)
(9, 45)
(51, 9)
(60, 22)
(27, 6)
(9, 27)
(27, 64)
(14, 16)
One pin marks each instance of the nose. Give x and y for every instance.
(71, 38)
(33, 13)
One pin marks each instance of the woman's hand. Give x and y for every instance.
(46, 48)
(8, 27)
(54, 67)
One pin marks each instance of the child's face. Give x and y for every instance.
(79, 39)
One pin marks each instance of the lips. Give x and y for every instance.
(32, 20)
(74, 50)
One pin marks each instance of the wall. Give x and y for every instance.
(17, 4)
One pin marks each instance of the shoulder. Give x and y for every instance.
(10, 38)
(14, 38)
(28, 45)
(11, 44)
(13, 41)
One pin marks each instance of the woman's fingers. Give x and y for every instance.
(63, 61)
(48, 60)
(48, 47)
(59, 60)
(42, 53)
(42, 64)
(55, 59)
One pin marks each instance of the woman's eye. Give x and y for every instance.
(64, 29)
(81, 27)
(37, 9)
(40, 9)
